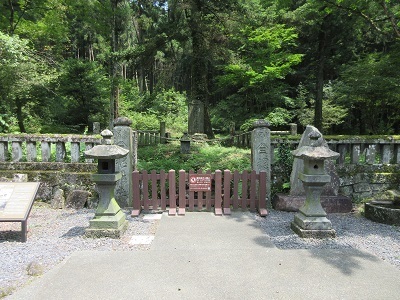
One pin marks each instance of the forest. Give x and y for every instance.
(200, 65)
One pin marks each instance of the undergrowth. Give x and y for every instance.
(201, 157)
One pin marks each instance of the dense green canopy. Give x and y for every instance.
(67, 63)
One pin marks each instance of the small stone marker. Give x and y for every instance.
(152, 217)
(141, 240)
(185, 143)
(16, 201)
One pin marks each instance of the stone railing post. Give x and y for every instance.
(123, 138)
(135, 140)
(96, 127)
(261, 152)
(16, 151)
(75, 152)
(46, 151)
(60, 151)
(31, 153)
(3, 151)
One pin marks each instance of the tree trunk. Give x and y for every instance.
(322, 48)
(114, 94)
(20, 117)
(199, 119)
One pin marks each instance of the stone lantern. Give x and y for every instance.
(311, 221)
(185, 143)
(109, 220)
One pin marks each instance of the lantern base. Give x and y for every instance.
(316, 234)
(106, 233)
(107, 226)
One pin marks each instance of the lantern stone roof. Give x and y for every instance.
(106, 150)
(316, 151)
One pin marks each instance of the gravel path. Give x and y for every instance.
(55, 234)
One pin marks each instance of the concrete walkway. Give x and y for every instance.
(202, 256)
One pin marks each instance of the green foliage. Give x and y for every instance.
(277, 117)
(333, 113)
(83, 89)
(369, 89)
(22, 73)
(147, 110)
(205, 157)
(243, 59)
(4, 125)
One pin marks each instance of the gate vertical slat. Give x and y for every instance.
(200, 195)
(244, 189)
(208, 195)
(172, 193)
(191, 195)
(136, 194)
(162, 190)
(235, 189)
(218, 199)
(262, 206)
(182, 193)
(154, 194)
(253, 186)
(145, 182)
(227, 192)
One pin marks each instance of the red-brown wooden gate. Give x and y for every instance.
(222, 192)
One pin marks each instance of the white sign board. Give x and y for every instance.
(16, 200)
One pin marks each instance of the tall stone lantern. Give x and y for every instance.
(311, 220)
(109, 220)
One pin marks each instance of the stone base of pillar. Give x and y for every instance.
(313, 233)
(331, 204)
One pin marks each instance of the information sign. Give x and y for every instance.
(16, 200)
(200, 182)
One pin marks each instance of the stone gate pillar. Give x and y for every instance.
(261, 152)
(125, 165)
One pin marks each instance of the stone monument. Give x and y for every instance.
(330, 198)
(109, 220)
(261, 151)
(311, 221)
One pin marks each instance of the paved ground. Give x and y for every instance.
(202, 256)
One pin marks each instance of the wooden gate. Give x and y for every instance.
(219, 191)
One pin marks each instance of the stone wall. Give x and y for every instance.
(357, 181)
(54, 178)
(362, 181)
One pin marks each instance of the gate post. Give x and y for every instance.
(261, 153)
(123, 138)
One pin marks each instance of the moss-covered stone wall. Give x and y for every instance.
(53, 176)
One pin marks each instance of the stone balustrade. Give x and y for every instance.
(358, 150)
(39, 147)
